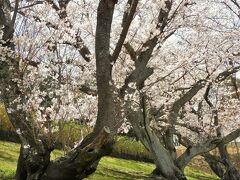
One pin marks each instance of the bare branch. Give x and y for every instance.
(185, 98)
(209, 145)
(131, 51)
(31, 5)
(15, 12)
(85, 89)
(222, 76)
(54, 5)
(126, 25)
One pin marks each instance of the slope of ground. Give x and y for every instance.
(109, 168)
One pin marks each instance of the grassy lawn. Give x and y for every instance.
(109, 168)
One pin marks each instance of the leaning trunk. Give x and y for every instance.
(165, 165)
(231, 172)
(214, 163)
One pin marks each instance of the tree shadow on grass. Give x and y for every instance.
(118, 174)
(199, 176)
(3, 176)
(12, 148)
(5, 156)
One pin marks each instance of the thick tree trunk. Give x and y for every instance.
(34, 160)
(231, 172)
(21, 172)
(35, 150)
(105, 90)
(165, 164)
(168, 166)
(81, 161)
(214, 163)
(221, 165)
(77, 164)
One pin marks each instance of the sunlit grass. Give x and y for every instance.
(109, 168)
(8, 159)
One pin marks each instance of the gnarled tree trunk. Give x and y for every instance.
(231, 172)
(221, 165)
(34, 160)
(166, 168)
(214, 163)
(80, 162)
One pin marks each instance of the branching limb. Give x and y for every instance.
(195, 150)
(128, 17)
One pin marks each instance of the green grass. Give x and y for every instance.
(9, 153)
(109, 168)
(128, 145)
(8, 159)
(114, 168)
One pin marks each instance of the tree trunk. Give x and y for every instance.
(222, 166)
(21, 172)
(231, 171)
(165, 165)
(34, 160)
(215, 164)
(77, 164)
(81, 161)
(105, 90)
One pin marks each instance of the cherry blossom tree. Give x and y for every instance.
(35, 87)
(176, 101)
(112, 62)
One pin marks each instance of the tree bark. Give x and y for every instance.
(222, 165)
(106, 105)
(231, 172)
(34, 160)
(81, 161)
(214, 163)
(165, 163)
(21, 172)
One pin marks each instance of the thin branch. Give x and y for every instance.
(15, 12)
(126, 25)
(236, 3)
(185, 98)
(54, 5)
(31, 5)
(231, 9)
(207, 146)
(87, 90)
(131, 51)
(225, 74)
